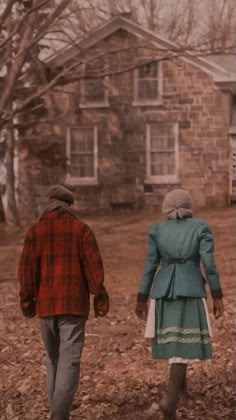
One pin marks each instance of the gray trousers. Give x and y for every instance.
(63, 337)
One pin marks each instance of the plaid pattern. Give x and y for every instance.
(60, 266)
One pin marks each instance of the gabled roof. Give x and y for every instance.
(219, 72)
(227, 61)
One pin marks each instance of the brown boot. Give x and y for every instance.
(184, 391)
(176, 381)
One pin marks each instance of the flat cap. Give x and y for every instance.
(59, 192)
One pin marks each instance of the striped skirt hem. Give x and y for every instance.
(180, 330)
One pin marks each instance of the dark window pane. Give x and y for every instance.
(95, 67)
(82, 152)
(154, 170)
(147, 89)
(162, 137)
(163, 163)
(81, 171)
(82, 140)
(233, 116)
(81, 146)
(94, 90)
(94, 87)
(148, 70)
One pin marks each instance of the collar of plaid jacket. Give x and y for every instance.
(58, 204)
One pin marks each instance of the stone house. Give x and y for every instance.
(154, 119)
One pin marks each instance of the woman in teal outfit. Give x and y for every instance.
(178, 320)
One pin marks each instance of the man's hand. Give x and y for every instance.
(28, 309)
(141, 310)
(101, 303)
(218, 307)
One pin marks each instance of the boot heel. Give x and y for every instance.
(168, 409)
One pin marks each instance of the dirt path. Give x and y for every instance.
(118, 378)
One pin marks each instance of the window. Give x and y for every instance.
(148, 84)
(162, 152)
(82, 155)
(233, 113)
(233, 159)
(94, 90)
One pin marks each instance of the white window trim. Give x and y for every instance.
(93, 104)
(161, 179)
(82, 180)
(232, 130)
(232, 141)
(148, 102)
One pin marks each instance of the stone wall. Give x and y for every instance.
(190, 98)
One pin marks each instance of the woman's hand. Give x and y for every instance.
(141, 310)
(218, 307)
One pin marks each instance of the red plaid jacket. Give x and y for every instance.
(59, 267)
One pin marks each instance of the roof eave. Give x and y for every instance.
(226, 84)
(119, 22)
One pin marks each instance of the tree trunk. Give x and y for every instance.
(12, 216)
(2, 213)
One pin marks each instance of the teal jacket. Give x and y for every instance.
(172, 270)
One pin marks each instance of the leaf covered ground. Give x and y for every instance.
(119, 380)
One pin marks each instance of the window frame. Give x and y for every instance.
(162, 179)
(233, 112)
(93, 104)
(149, 102)
(232, 142)
(72, 180)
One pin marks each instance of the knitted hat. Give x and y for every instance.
(177, 204)
(61, 193)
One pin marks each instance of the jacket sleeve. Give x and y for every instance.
(151, 265)
(27, 277)
(92, 262)
(208, 260)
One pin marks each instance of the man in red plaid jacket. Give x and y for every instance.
(59, 268)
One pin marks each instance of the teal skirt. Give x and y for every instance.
(181, 330)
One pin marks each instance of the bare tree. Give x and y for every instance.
(31, 29)
(23, 24)
(2, 175)
(210, 23)
(220, 24)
